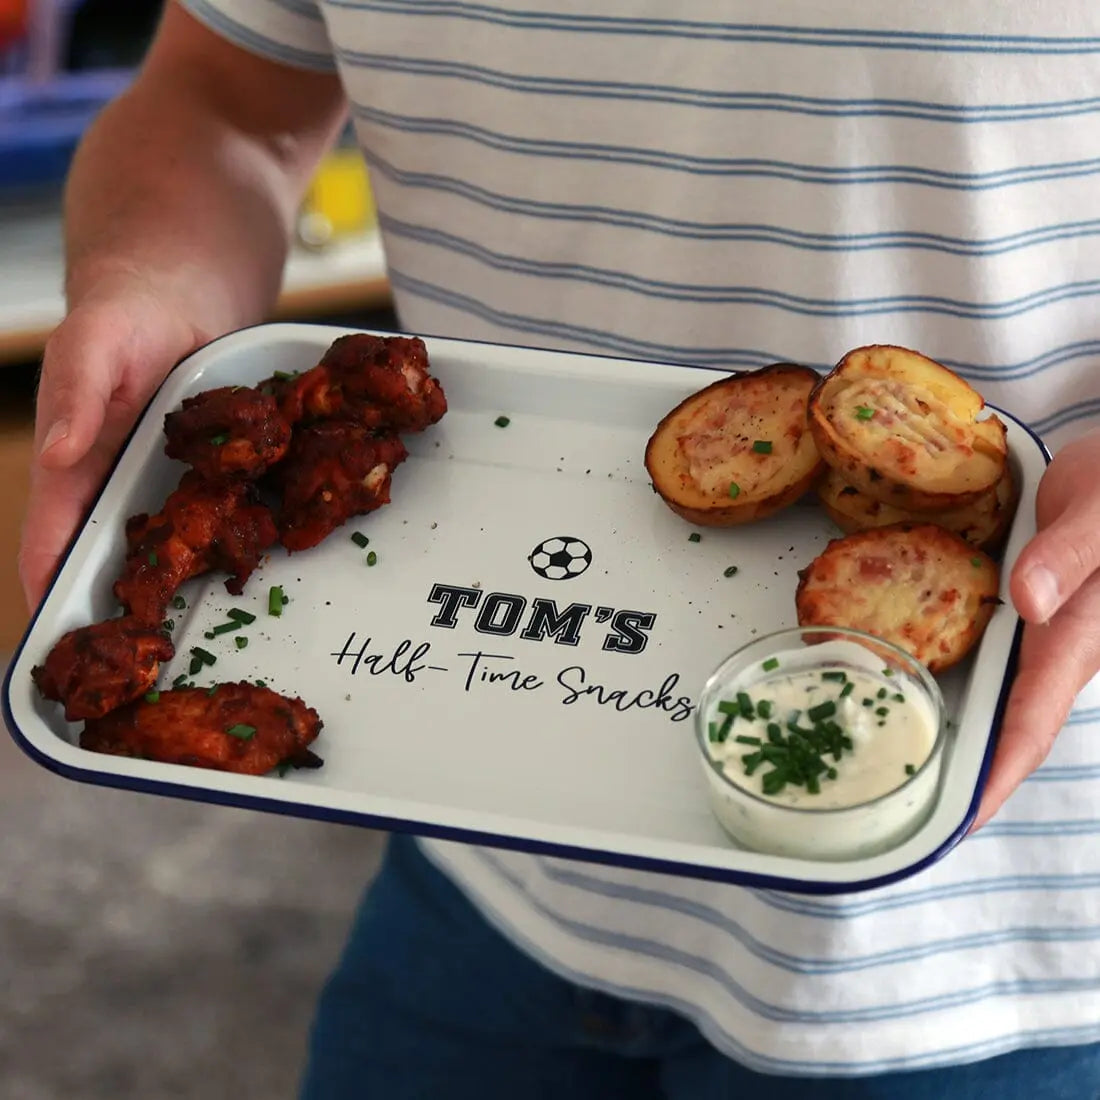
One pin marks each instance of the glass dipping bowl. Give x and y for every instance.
(854, 831)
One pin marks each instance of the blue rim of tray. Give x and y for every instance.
(481, 837)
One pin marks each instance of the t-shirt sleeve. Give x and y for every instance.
(290, 31)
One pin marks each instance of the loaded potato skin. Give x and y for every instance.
(738, 450)
(904, 430)
(921, 587)
(983, 523)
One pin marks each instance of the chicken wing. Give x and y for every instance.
(203, 526)
(377, 381)
(94, 669)
(333, 471)
(235, 728)
(233, 431)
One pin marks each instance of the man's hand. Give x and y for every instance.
(101, 366)
(1055, 586)
(178, 212)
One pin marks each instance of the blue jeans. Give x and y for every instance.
(431, 1003)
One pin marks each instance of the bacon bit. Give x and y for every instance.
(875, 567)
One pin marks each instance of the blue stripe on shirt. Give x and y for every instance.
(711, 99)
(819, 174)
(259, 43)
(764, 297)
(845, 909)
(804, 964)
(732, 231)
(307, 9)
(956, 998)
(830, 37)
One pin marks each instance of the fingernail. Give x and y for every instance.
(59, 429)
(1043, 586)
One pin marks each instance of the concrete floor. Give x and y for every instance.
(160, 950)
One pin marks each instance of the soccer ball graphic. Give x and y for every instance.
(560, 558)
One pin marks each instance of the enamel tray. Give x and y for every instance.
(451, 707)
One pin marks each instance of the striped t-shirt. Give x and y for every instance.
(733, 184)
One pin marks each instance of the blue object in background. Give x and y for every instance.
(40, 126)
(77, 55)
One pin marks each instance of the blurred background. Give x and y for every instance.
(148, 949)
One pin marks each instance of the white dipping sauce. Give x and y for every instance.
(881, 780)
(890, 731)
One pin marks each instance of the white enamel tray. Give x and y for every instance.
(419, 733)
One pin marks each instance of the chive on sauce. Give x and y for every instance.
(820, 738)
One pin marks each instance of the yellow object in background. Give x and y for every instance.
(339, 202)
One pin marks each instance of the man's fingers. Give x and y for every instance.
(1056, 660)
(57, 503)
(1066, 551)
(80, 371)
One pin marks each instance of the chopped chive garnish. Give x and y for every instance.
(742, 739)
(219, 439)
(831, 773)
(976, 562)
(283, 768)
(168, 624)
(359, 539)
(771, 664)
(762, 447)
(244, 617)
(241, 641)
(764, 708)
(152, 696)
(745, 707)
(882, 711)
(179, 680)
(195, 667)
(211, 690)
(694, 536)
(898, 697)
(152, 557)
(821, 711)
(372, 558)
(283, 375)
(847, 690)
(729, 571)
(835, 677)
(734, 490)
(202, 655)
(275, 601)
(863, 412)
(887, 672)
(242, 731)
(910, 770)
(868, 702)
(209, 635)
(179, 603)
(712, 732)
(881, 693)
(261, 683)
(774, 782)
(727, 706)
(227, 628)
(502, 421)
